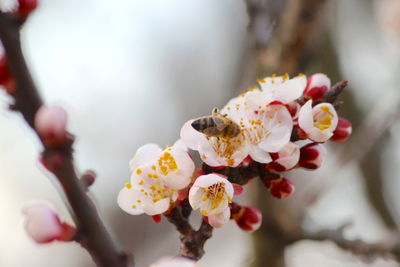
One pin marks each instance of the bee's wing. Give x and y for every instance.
(220, 123)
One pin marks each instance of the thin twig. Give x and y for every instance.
(92, 231)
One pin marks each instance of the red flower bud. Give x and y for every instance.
(247, 218)
(156, 218)
(25, 7)
(317, 85)
(280, 188)
(343, 131)
(312, 156)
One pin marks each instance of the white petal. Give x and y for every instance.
(218, 220)
(278, 138)
(190, 137)
(259, 155)
(195, 196)
(208, 180)
(306, 117)
(181, 178)
(129, 197)
(144, 155)
(158, 207)
(181, 145)
(291, 89)
(174, 262)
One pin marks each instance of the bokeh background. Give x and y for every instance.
(130, 72)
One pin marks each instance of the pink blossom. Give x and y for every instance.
(51, 123)
(43, 224)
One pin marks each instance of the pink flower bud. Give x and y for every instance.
(280, 188)
(25, 7)
(312, 156)
(4, 71)
(343, 131)
(51, 123)
(248, 218)
(294, 108)
(317, 85)
(286, 159)
(43, 224)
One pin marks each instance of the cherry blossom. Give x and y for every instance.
(318, 122)
(247, 218)
(212, 194)
(156, 176)
(312, 156)
(342, 131)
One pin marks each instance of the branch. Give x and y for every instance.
(92, 232)
(367, 251)
(192, 242)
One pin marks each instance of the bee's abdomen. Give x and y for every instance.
(205, 125)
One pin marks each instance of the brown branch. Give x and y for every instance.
(192, 242)
(367, 251)
(92, 231)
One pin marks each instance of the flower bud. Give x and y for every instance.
(247, 218)
(156, 218)
(43, 224)
(286, 159)
(317, 85)
(280, 188)
(343, 131)
(312, 156)
(25, 7)
(51, 123)
(4, 71)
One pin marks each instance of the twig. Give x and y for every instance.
(192, 242)
(367, 251)
(93, 234)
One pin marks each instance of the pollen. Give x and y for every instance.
(140, 182)
(134, 206)
(167, 163)
(138, 171)
(153, 167)
(128, 185)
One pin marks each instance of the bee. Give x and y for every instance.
(216, 125)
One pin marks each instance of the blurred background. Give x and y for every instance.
(130, 72)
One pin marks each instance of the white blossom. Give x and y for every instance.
(318, 122)
(156, 176)
(212, 194)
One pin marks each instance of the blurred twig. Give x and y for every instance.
(92, 232)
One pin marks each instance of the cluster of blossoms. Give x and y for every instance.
(281, 124)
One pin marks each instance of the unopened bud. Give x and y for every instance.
(247, 218)
(25, 7)
(51, 123)
(312, 156)
(343, 131)
(317, 85)
(280, 188)
(156, 218)
(43, 224)
(88, 178)
(286, 159)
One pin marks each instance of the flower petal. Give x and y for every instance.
(144, 155)
(219, 219)
(127, 201)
